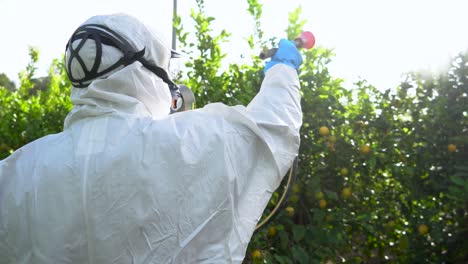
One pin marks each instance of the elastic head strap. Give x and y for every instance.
(160, 72)
(104, 35)
(101, 35)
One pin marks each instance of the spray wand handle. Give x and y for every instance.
(305, 40)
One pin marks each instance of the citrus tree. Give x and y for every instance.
(382, 175)
(27, 113)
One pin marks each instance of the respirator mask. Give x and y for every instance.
(182, 97)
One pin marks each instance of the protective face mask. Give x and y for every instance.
(183, 99)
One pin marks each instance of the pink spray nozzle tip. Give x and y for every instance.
(308, 39)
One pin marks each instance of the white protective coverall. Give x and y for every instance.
(126, 182)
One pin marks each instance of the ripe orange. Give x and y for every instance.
(256, 254)
(322, 203)
(452, 148)
(324, 131)
(423, 229)
(365, 149)
(271, 231)
(346, 192)
(344, 171)
(290, 211)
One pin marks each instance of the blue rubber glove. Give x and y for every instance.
(287, 53)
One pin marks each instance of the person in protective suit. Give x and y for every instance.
(128, 182)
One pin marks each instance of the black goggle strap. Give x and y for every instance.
(177, 98)
(101, 35)
(160, 72)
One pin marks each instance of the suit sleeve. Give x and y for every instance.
(276, 109)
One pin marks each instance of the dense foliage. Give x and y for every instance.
(28, 112)
(383, 175)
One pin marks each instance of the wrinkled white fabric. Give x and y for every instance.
(124, 183)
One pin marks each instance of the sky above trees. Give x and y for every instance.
(375, 40)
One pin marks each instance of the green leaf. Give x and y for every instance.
(282, 259)
(298, 232)
(458, 181)
(331, 195)
(365, 216)
(300, 255)
(284, 240)
(454, 190)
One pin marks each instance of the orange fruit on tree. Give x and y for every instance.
(322, 203)
(256, 254)
(365, 149)
(271, 231)
(423, 229)
(290, 211)
(296, 188)
(452, 148)
(344, 171)
(346, 192)
(324, 131)
(332, 139)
